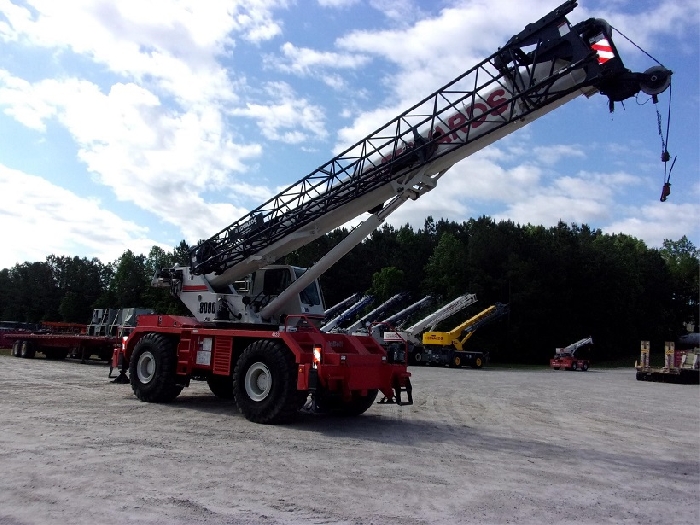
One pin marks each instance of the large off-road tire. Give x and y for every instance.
(265, 383)
(359, 404)
(221, 386)
(27, 350)
(152, 369)
(455, 362)
(478, 362)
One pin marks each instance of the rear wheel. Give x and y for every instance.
(359, 404)
(585, 367)
(27, 350)
(221, 386)
(152, 369)
(264, 383)
(478, 362)
(16, 346)
(574, 366)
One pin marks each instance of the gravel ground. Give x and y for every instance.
(479, 446)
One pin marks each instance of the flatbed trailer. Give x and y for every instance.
(680, 366)
(60, 340)
(58, 346)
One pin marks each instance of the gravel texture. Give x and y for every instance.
(479, 446)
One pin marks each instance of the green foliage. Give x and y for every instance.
(386, 283)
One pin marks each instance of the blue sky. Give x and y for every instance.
(129, 124)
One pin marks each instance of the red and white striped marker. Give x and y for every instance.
(604, 50)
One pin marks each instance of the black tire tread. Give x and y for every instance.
(282, 404)
(163, 387)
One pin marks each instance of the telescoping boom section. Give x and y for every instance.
(545, 66)
(254, 333)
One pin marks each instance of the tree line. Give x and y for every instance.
(561, 283)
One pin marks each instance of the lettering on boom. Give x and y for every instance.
(497, 101)
(495, 104)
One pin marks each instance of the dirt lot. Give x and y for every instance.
(479, 446)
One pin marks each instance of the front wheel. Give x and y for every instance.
(265, 383)
(152, 369)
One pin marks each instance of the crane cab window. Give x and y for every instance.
(276, 281)
(309, 295)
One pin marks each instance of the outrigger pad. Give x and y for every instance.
(121, 379)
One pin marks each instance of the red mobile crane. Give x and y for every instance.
(253, 333)
(566, 358)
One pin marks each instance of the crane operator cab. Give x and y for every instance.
(268, 283)
(245, 300)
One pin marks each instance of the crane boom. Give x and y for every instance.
(334, 310)
(361, 324)
(571, 349)
(348, 313)
(431, 321)
(543, 67)
(546, 65)
(402, 315)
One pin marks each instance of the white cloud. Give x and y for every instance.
(61, 223)
(156, 158)
(657, 221)
(287, 118)
(303, 60)
(337, 3)
(551, 154)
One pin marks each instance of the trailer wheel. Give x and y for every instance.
(27, 350)
(152, 369)
(221, 386)
(265, 384)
